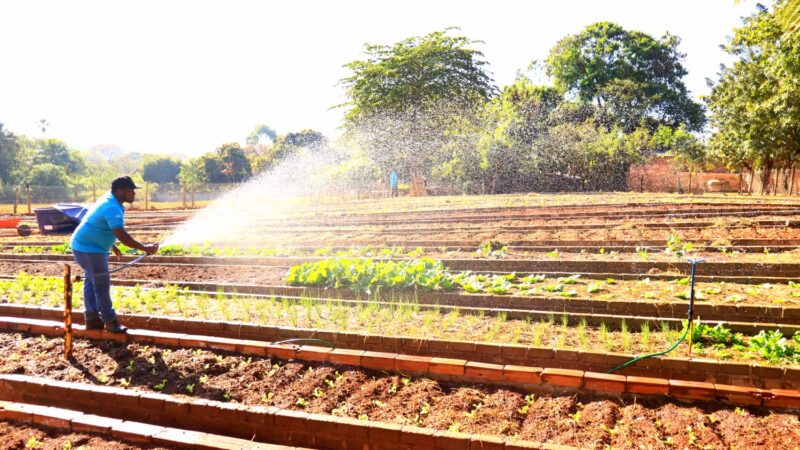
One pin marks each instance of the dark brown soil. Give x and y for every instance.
(17, 435)
(583, 421)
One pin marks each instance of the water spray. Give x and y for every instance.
(687, 331)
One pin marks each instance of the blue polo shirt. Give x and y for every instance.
(94, 234)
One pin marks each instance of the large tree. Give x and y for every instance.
(405, 99)
(55, 151)
(632, 78)
(9, 149)
(754, 110)
(228, 164)
(161, 169)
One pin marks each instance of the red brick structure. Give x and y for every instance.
(659, 175)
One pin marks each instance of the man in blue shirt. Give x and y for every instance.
(393, 183)
(95, 236)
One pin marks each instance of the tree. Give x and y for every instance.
(260, 133)
(405, 99)
(55, 151)
(47, 174)
(192, 172)
(285, 146)
(753, 107)
(515, 119)
(9, 150)
(161, 169)
(631, 76)
(418, 71)
(228, 164)
(687, 152)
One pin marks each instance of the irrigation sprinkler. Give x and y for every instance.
(690, 325)
(687, 331)
(67, 311)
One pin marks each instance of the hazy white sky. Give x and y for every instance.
(183, 77)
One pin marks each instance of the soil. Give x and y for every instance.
(18, 436)
(272, 275)
(584, 420)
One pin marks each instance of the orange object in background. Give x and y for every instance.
(10, 223)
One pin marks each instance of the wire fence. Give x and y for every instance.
(24, 199)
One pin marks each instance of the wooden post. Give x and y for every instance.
(791, 184)
(28, 189)
(183, 195)
(75, 193)
(67, 312)
(193, 190)
(94, 192)
(16, 199)
(146, 196)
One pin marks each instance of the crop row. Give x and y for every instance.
(409, 319)
(247, 382)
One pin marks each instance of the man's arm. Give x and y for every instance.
(129, 241)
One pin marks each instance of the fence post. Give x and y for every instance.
(28, 189)
(94, 192)
(16, 199)
(67, 312)
(146, 196)
(193, 190)
(183, 195)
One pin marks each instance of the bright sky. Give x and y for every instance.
(183, 77)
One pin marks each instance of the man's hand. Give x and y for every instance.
(117, 253)
(151, 249)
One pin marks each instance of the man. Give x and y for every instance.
(393, 184)
(91, 242)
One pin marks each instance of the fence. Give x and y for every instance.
(24, 199)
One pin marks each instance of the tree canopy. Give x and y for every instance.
(418, 71)
(753, 108)
(636, 78)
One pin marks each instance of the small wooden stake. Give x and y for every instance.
(16, 199)
(28, 189)
(67, 312)
(146, 196)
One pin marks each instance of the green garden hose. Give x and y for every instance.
(689, 326)
(318, 341)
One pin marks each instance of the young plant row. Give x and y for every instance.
(409, 319)
(363, 275)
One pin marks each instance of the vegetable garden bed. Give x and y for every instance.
(296, 396)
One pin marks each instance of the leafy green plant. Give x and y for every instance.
(773, 346)
(572, 279)
(559, 287)
(366, 275)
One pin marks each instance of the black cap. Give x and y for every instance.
(123, 183)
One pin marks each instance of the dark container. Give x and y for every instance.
(59, 219)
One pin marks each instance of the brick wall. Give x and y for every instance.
(659, 175)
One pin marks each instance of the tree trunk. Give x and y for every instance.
(750, 182)
(740, 182)
(791, 183)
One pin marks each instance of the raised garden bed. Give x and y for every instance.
(305, 393)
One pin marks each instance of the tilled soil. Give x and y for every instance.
(584, 421)
(174, 273)
(17, 436)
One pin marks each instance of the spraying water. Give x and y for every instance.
(242, 214)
